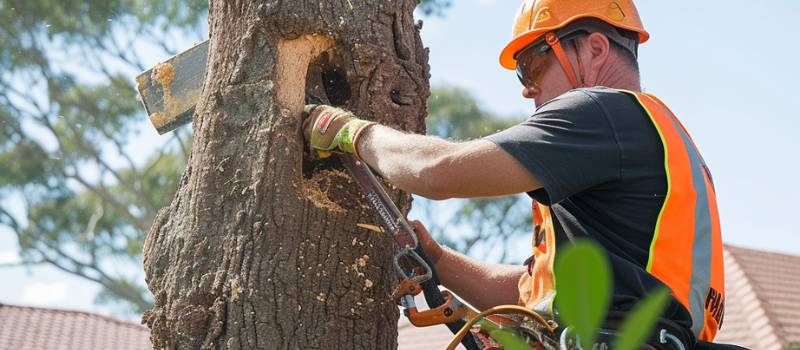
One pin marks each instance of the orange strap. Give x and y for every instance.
(563, 60)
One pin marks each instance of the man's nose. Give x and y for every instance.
(529, 92)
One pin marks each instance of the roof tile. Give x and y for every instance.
(26, 328)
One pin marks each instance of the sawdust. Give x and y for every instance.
(235, 290)
(141, 82)
(316, 189)
(360, 262)
(159, 119)
(164, 74)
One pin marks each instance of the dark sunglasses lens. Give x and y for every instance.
(524, 65)
(525, 62)
(520, 74)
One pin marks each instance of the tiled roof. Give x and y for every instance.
(32, 328)
(762, 311)
(413, 338)
(762, 308)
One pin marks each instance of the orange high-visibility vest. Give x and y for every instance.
(686, 250)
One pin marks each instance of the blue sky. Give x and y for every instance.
(727, 69)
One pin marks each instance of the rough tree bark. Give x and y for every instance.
(260, 248)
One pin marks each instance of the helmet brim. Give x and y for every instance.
(507, 55)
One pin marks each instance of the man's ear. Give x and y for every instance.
(599, 50)
(599, 45)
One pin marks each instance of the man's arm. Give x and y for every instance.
(481, 284)
(439, 169)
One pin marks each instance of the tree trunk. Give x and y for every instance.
(260, 248)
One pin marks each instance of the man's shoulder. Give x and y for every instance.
(591, 102)
(589, 98)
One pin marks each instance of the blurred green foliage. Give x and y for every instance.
(637, 327)
(79, 189)
(583, 281)
(434, 7)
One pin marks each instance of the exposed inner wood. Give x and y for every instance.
(294, 57)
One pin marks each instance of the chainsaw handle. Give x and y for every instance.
(417, 260)
(451, 311)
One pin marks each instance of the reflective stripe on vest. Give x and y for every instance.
(686, 251)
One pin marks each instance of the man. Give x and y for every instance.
(600, 159)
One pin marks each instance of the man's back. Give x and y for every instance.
(600, 161)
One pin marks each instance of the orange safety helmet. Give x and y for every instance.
(537, 18)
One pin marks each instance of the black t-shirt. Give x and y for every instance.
(600, 161)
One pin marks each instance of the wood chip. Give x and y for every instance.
(372, 228)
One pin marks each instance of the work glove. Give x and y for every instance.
(329, 128)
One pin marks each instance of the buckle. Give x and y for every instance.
(551, 38)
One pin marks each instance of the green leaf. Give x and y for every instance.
(454, 113)
(583, 282)
(637, 327)
(510, 340)
(434, 7)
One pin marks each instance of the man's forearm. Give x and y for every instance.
(405, 159)
(481, 284)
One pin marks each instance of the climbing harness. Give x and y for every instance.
(509, 327)
(514, 327)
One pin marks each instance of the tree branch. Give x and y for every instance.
(115, 50)
(181, 144)
(138, 222)
(22, 264)
(80, 269)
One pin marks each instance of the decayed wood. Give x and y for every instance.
(260, 247)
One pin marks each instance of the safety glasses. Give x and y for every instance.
(532, 60)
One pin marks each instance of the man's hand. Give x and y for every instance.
(429, 245)
(329, 128)
(480, 284)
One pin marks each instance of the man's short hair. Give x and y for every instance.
(624, 42)
(631, 60)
